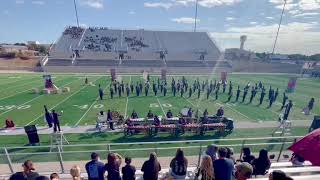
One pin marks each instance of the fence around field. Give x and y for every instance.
(58, 158)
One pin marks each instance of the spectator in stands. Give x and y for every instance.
(75, 172)
(27, 173)
(113, 166)
(134, 115)
(212, 151)
(95, 168)
(223, 167)
(54, 176)
(278, 175)
(42, 178)
(244, 171)
(151, 168)
(206, 169)
(220, 112)
(169, 114)
(297, 160)
(262, 163)
(150, 115)
(179, 165)
(230, 154)
(9, 123)
(247, 157)
(128, 171)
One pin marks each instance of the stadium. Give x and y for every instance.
(174, 102)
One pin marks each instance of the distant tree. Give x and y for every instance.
(315, 57)
(42, 49)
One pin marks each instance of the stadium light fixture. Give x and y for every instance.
(196, 16)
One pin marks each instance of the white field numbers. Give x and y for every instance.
(86, 106)
(10, 107)
(156, 105)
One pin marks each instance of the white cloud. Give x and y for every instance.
(19, 1)
(260, 38)
(230, 18)
(203, 3)
(293, 12)
(184, 20)
(307, 14)
(97, 4)
(269, 17)
(158, 5)
(131, 12)
(253, 23)
(38, 2)
(309, 4)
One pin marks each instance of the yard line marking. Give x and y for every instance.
(21, 92)
(125, 113)
(94, 102)
(193, 104)
(23, 84)
(65, 99)
(161, 106)
(34, 98)
(235, 111)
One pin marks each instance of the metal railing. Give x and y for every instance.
(59, 155)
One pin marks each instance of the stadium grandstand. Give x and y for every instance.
(98, 49)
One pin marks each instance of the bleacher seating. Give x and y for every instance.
(91, 62)
(59, 62)
(142, 63)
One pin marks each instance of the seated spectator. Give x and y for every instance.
(113, 166)
(95, 168)
(279, 175)
(75, 172)
(230, 154)
(151, 168)
(244, 171)
(150, 115)
(9, 123)
(54, 176)
(220, 112)
(223, 167)
(27, 173)
(179, 165)
(42, 178)
(262, 163)
(206, 169)
(169, 114)
(247, 157)
(128, 171)
(297, 160)
(212, 151)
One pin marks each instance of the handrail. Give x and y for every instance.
(159, 142)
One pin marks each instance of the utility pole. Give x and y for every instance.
(275, 41)
(76, 10)
(195, 17)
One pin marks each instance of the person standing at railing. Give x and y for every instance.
(128, 171)
(151, 168)
(113, 166)
(95, 168)
(223, 167)
(27, 173)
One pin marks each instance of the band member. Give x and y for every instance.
(230, 88)
(309, 107)
(111, 92)
(127, 90)
(287, 110)
(190, 92)
(220, 112)
(276, 95)
(150, 115)
(140, 86)
(155, 90)
(199, 93)
(169, 114)
(56, 122)
(174, 90)
(146, 90)
(134, 115)
(263, 93)
(205, 113)
(208, 93)
(224, 87)
(245, 92)
(217, 93)
(284, 100)
(131, 87)
(115, 86)
(47, 116)
(252, 95)
(100, 92)
(119, 90)
(181, 92)
(190, 113)
(122, 86)
(137, 90)
(271, 100)
(238, 94)
(164, 90)
(86, 81)
(269, 94)
(230, 96)
(109, 119)
(156, 122)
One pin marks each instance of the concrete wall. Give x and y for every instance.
(264, 67)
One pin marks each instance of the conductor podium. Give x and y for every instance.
(50, 87)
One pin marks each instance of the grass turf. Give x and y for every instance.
(81, 105)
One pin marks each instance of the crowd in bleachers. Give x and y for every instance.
(217, 163)
(97, 43)
(74, 32)
(134, 43)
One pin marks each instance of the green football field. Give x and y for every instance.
(81, 105)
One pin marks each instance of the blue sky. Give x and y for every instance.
(225, 20)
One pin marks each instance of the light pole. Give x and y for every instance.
(195, 17)
(275, 41)
(75, 9)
